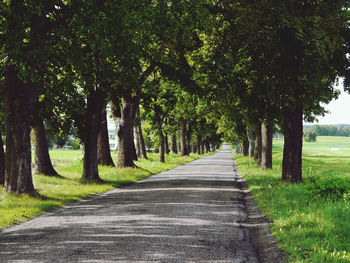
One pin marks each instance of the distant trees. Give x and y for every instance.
(330, 130)
(310, 136)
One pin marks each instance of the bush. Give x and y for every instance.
(333, 188)
(74, 143)
(310, 136)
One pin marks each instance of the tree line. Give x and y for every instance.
(64, 61)
(194, 68)
(330, 130)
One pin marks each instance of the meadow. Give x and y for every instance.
(53, 192)
(311, 220)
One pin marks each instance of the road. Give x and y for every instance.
(194, 213)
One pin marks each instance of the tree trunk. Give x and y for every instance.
(258, 145)
(43, 163)
(266, 139)
(199, 143)
(92, 127)
(20, 101)
(179, 147)
(173, 143)
(161, 144)
(251, 139)
(184, 147)
(138, 143)
(188, 138)
(246, 148)
(143, 152)
(293, 143)
(166, 144)
(202, 147)
(207, 146)
(125, 136)
(133, 144)
(103, 150)
(2, 162)
(194, 148)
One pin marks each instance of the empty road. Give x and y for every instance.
(194, 213)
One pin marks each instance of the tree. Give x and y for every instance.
(139, 134)
(103, 150)
(310, 136)
(2, 153)
(158, 100)
(25, 49)
(281, 44)
(2, 162)
(42, 158)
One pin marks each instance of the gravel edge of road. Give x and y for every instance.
(263, 241)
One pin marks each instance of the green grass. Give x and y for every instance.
(58, 191)
(306, 229)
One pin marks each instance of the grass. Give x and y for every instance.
(306, 228)
(53, 192)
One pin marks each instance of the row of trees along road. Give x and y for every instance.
(62, 62)
(241, 67)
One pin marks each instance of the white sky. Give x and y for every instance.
(339, 110)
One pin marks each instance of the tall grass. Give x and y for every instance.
(53, 192)
(307, 229)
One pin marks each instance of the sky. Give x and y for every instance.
(339, 110)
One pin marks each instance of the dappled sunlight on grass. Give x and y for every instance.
(57, 191)
(306, 229)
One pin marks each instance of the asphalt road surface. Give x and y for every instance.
(194, 213)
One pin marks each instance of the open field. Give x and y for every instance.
(58, 191)
(307, 228)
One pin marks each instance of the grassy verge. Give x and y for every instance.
(54, 191)
(307, 228)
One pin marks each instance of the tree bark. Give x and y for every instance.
(2, 162)
(143, 152)
(43, 164)
(246, 148)
(138, 143)
(251, 140)
(266, 139)
(199, 143)
(173, 143)
(184, 147)
(133, 144)
(207, 146)
(188, 138)
(20, 101)
(194, 148)
(202, 147)
(161, 144)
(103, 149)
(258, 145)
(166, 144)
(125, 133)
(293, 143)
(92, 127)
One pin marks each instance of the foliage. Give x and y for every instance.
(330, 130)
(331, 188)
(74, 143)
(310, 136)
